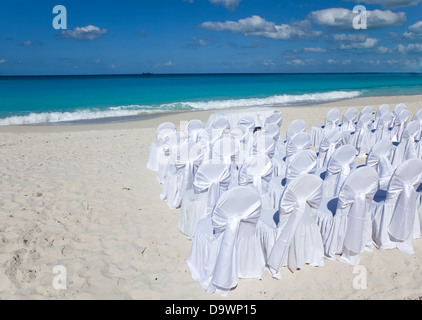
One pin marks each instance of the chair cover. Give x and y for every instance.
(300, 141)
(349, 118)
(361, 139)
(382, 110)
(341, 163)
(395, 213)
(317, 133)
(418, 117)
(273, 119)
(183, 168)
(273, 131)
(380, 159)
(225, 247)
(242, 136)
(256, 171)
(264, 145)
(397, 110)
(327, 147)
(170, 149)
(248, 122)
(398, 125)
(295, 126)
(303, 162)
(366, 110)
(406, 149)
(381, 130)
(226, 150)
(347, 230)
(211, 180)
(204, 140)
(219, 128)
(192, 129)
(156, 149)
(295, 240)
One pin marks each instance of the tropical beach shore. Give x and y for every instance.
(81, 197)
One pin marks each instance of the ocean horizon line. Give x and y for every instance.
(149, 74)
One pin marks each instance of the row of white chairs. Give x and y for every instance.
(286, 178)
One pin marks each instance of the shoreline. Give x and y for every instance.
(154, 119)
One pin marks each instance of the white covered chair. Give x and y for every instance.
(182, 169)
(381, 128)
(345, 222)
(219, 129)
(327, 147)
(366, 110)
(406, 149)
(361, 138)
(302, 162)
(349, 119)
(275, 118)
(291, 237)
(341, 163)
(399, 124)
(317, 133)
(170, 148)
(395, 113)
(242, 136)
(225, 247)
(382, 110)
(273, 131)
(248, 122)
(418, 117)
(380, 159)
(156, 149)
(204, 140)
(192, 129)
(295, 126)
(264, 144)
(257, 171)
(211, 180)
(394, 211)
(300, 141)
(226, 149)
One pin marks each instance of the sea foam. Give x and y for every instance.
(133, 110)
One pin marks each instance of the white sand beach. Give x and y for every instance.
(80, 196)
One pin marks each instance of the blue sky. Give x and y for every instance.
(207, 36)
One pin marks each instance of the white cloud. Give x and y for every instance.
(268, 63)
(228, 4)
(383, 50)
(341, 62)
(296, 62)
(169, 63)
(413, 47)
(342, 18)
(89, 32)
(414, 31)
(392, 3)
(317, 49)
(27, 43)
(195, 43)
(3, 61)
(355, 41)
(257, 26)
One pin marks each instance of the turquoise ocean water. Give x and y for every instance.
(58, 99)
